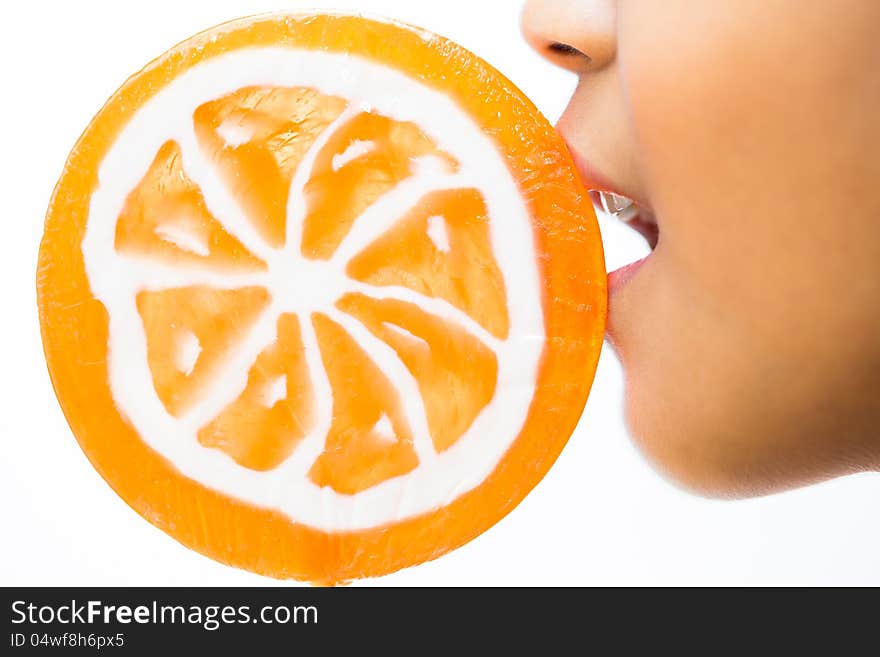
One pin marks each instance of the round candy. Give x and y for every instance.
(321, 297)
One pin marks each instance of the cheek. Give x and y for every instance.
(747, 150)
(743, 338)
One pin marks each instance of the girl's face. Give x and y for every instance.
(749, 133)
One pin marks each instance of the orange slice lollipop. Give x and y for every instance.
(321, 296)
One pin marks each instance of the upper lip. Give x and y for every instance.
(644, 222)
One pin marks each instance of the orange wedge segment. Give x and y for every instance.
(442, 248)
(165, 217)
(456, 372)
(321, 296)
(258, 137)
(369, 440)
(188, 333)
(264, 424)
(365, 159)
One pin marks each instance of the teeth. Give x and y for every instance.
(619, 207)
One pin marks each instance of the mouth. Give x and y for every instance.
(637, 217)
(610, 199)
(634, 215)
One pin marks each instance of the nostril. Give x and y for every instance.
(578, 35)
(566, 50)
(567, 56)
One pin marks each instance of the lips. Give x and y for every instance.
(609, 198)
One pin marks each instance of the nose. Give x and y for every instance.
(578, 35)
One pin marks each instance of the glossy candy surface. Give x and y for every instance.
(321, 296)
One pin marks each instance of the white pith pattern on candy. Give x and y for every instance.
(115, 279)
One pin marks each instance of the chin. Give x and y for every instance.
(711, 464)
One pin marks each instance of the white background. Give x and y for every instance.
(601, 516)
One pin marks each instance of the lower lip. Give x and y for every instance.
(619, 277)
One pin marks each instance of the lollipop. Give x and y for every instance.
(321, 296)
